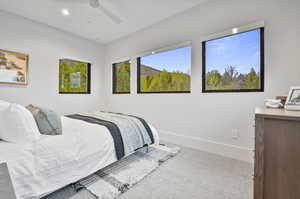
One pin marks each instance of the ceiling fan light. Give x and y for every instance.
(235, 30)
(65, 12)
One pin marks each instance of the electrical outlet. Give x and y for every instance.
(235, 134)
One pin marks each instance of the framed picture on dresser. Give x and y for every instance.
(293, 99)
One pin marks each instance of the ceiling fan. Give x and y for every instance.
(102, 5)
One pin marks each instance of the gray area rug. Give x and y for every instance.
(112, 181)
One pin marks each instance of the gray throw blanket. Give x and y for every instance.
(129, 132)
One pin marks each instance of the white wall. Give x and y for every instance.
(45, 47)
(206, 121)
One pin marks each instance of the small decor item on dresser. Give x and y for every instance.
(282, 99)
(48, 122)
(273, 103)
(293, 99)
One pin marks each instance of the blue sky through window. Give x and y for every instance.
(173, 60)
(241, 51)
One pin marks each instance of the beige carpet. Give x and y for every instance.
(193, 174)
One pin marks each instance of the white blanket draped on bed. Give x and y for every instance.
(56, 161)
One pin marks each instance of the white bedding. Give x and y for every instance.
(56, 161)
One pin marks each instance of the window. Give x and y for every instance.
(121, 77)
(165, 72)
(234, 63)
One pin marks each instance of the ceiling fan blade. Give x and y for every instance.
(116, 19)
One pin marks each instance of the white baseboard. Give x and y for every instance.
(227, 150)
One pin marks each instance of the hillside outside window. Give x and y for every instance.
(165, 72)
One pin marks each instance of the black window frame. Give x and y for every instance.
(138, 61)
(262, 65)
(114, 79)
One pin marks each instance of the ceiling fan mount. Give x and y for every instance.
(105, 6)
(94, 3)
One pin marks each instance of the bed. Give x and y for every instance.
(53, 162)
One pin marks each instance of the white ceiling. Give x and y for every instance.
(91, 23)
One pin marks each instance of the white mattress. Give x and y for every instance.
(56, 161)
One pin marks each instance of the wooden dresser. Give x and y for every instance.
(277, 154)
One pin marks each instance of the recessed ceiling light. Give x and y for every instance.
(65, 12)
(235, 30)
(153, 53)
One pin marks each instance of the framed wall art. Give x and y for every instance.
(74, 77)
(13, 68)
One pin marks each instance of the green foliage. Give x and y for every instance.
(252, 80)
(232, 79)
(161, 81)
(68, 68)
(122, 77)
(213, 79)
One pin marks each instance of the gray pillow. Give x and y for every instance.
(48, 122)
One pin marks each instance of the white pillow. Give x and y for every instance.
(3, 105)
(17, 124)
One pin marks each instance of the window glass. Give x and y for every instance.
(121, 77)
(234, 63)
(165, 72)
